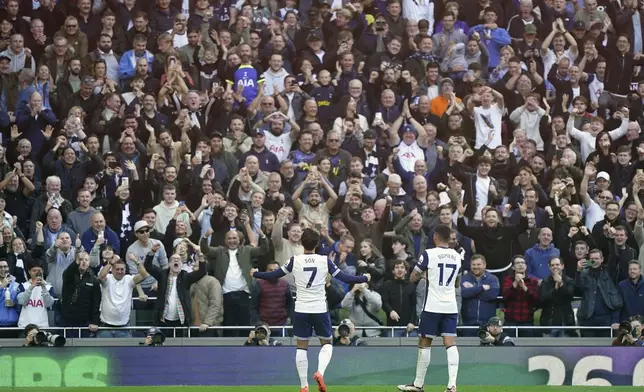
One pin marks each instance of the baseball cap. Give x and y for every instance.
(446, 81)
(579, 25)
(140, 225)
(603, 175)
(408, 128)
(109, 154)
(314, 13)
(88, 80)
(370, 134)
(259, 132)
(530, 29)
(312, 38)
(5, 57)
(495, 322)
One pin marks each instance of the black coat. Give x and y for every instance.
(400, 296)
(184, 281)
(556, 303)
(81, 298)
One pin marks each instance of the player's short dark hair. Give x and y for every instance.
(443, 233)
(310, 239)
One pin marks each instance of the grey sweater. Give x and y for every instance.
(80, 221)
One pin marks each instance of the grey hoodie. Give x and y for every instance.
(80, 221)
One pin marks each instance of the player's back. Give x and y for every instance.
(309, 272)
(443, 266)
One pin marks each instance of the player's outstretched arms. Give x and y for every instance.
(276, 274)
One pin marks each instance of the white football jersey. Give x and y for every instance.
(443, 266)
(309, 272)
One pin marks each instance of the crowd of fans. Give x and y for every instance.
(163, 148)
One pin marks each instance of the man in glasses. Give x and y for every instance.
(75, 37)
(141, 248)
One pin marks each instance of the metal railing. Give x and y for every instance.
(186, 331)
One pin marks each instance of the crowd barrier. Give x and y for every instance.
(253, 366)
(284, 330)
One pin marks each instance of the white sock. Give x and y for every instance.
(326, 352)
(422, 364)
(302, 364)
(452, 365)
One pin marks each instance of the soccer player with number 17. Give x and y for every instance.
(311, 310)
(440, 313)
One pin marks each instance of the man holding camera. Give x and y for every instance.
(261, 336)
(35, 297)
(630, 333)
(345, 335)
(492, 334)
(600, 301)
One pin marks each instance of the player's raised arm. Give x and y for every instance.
(276, 274)
(336, 273)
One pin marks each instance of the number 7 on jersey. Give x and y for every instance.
(441, 277)
(314, 271)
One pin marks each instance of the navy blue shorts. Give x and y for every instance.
(437, 324)
(305, 323)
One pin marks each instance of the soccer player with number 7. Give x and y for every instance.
(311, 311)
(440, 311)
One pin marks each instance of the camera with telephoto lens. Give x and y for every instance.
(45, 338)
(156, 337)
(261, 332)
(482, 332)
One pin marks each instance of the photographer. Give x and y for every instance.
(630, 333)
(492, 334)
(345, 335)
(154, 338)
(34, 337)
(261, 336)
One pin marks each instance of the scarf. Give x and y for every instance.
(168, 292)
(126, 227)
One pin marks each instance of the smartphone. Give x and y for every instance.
(172, 62)
(589, 263)
(125, 182)
(199, 154)
(378, 118)
(101, 234)
(182, 203)
(113, 165)
(318, 227)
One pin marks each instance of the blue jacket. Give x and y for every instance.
(632, 296)
(88, 239)
(478, 304)
(537, 260)
(499, 37)
(9, 316)
(127, 65)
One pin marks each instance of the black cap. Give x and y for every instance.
(580, 25)
(109, 154)
(370, 134)
(398, 202)
(312, 38)
(314, 13)
(4, 57)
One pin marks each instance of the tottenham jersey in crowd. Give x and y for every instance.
(442, 266)
(247, 76)
(309, 271)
